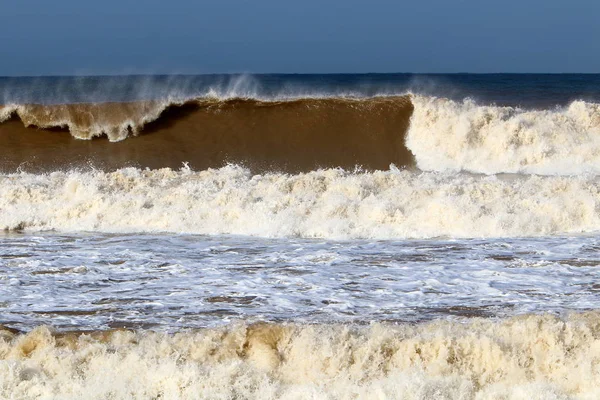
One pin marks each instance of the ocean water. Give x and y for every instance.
(300, 236)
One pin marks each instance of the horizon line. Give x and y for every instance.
(106, 75)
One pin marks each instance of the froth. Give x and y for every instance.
(329, 203)
(464, 136)
(530, 357)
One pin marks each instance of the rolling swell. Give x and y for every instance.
(291, 135)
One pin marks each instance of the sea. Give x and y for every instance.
(336, 236)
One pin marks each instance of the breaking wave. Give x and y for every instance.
(330, 203)
(447, 135)
(303, 134)
(528, 357)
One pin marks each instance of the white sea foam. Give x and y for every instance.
(447, 135)
(7, 111)
(327, 203)
(531, 357)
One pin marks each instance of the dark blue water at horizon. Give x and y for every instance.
(524, 90)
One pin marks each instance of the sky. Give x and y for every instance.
(66, 37)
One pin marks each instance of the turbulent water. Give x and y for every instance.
(318, 236)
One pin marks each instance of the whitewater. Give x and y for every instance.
(448, 135)
(332, 204)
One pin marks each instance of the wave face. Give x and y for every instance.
(326, 203)
(530, 357)
(291, 135)
(447, 135)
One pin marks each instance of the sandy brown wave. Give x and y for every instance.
(292, 135)
(529, 357)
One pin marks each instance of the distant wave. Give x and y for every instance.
(328, 203)
(528, 357)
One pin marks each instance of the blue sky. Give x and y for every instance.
(41, 37)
